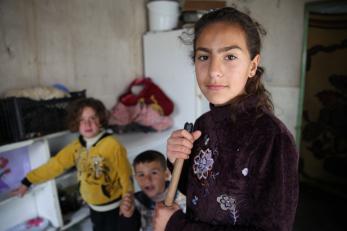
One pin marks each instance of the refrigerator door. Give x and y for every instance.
(167, 60)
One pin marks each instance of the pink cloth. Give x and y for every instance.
(141, 114)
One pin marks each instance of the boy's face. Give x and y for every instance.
(151, 177)
(89, 123)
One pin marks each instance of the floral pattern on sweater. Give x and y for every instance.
(203, 164)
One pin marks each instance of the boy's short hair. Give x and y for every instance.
(150, 156)
(75, 110)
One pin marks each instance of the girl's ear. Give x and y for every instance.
(254, 66)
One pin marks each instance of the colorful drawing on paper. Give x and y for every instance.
(14, 165)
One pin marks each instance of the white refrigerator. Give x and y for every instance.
(167, 60)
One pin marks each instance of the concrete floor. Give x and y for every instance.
(317, 210)
(320, 211)
(85, 225)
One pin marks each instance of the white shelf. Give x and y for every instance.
(7, 198)
(139, 142)
(76, 217)
(8, 147)
(24, 143)
(54, 135)
(42, 200)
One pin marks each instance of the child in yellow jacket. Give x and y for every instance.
(103, 170)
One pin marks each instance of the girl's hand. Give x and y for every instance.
(162, 215)
(20, 191)
(127, 205)
(180, 144)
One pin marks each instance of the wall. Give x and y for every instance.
(283, 21)
(83, 44)
(97, 45)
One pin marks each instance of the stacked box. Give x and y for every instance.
(24, 118)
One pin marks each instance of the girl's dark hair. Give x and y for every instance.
(75, 110)
(252, 30)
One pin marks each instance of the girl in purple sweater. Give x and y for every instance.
(241, 168)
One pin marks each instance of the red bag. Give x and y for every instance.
(150, 94)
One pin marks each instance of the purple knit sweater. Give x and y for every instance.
(242, 174)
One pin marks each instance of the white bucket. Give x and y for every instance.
(163, 15)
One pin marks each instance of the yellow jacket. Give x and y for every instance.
(103, 171)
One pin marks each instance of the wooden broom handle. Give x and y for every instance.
(176, 173)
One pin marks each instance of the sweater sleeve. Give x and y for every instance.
(275, 192)
(276, 185)
(124, 170)
(54, 167)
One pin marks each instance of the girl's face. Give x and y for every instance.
(89, 123)
(222, 62)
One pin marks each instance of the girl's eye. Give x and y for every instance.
(230, 57)
(202, 57)
(154, 172)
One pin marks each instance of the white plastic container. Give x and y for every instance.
(163, 15)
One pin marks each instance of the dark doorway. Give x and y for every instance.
(322, 119)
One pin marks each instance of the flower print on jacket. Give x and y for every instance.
(228, 203)
(203, 164)
(195, 200)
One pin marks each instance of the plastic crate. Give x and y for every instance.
(23, 118)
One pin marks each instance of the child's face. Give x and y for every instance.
(89, 123)
(151, 178)
(222, 62)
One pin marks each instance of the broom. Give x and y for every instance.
(176, 173)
